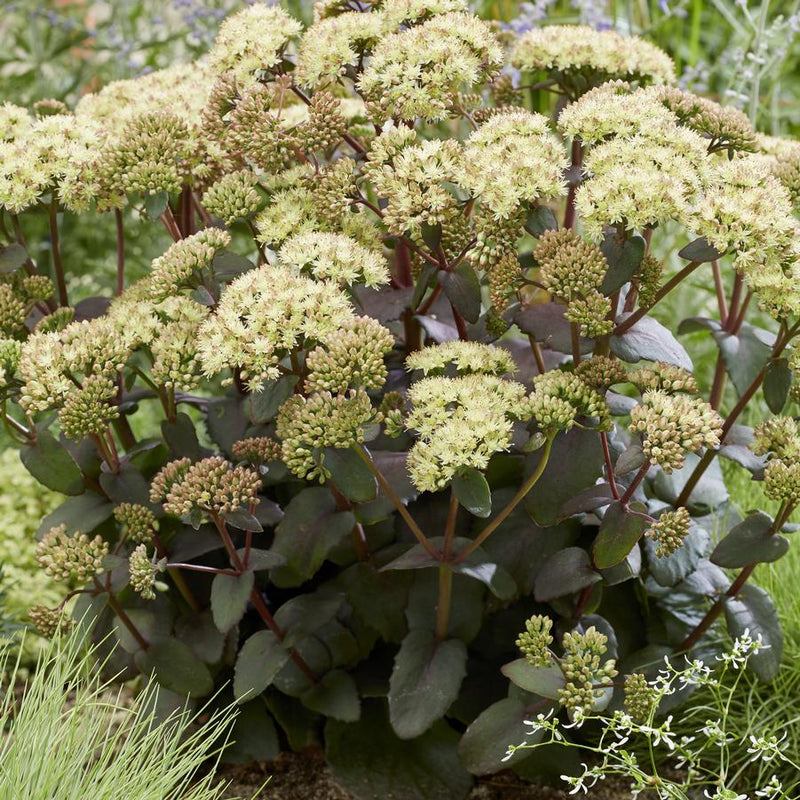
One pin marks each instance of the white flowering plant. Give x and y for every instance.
(394, 392)
(635, 742)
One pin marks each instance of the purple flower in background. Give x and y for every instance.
(530, 14)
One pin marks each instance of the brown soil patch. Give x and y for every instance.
(307, 777)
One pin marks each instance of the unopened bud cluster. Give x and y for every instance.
(584, 668)
(211, 485)
(535, 641)
(560, 398)
(142, 573)
(71, 556)
(50, 621)
(640, 697)
(257, 450)
(672, 425)
(669, 531)
(138, 521)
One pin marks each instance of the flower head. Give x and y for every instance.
(560, 398)
(465, 358)
(669, 531)
(233, 197)
(71, 556)
(265, 314)
(142, 573)
(138, 521)
(672, 425)
(534, 642)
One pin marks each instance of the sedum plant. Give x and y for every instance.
(394, 393)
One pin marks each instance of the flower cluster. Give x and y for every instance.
(233, 197)
(535, 641)
(669, 531)
(142, 573)
(334, 257)
(50, 621)
(461, 422)
(664, 377)
(584, 668)
(212, 485)
(465, 358)
(640, 697)
(601, 372)
(71, 556)
(307, 425)
(418, 72)
(573, 270)
(513, 159)
(263, 315)
(137, 520)
(672, 425)
(574, 52)
(559, 399)
(257, 450)
(353, 360)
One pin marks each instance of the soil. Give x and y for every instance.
(307, 777)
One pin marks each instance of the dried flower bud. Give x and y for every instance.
(71, 556)
(669, 531)
(138, 520)
(534, 642)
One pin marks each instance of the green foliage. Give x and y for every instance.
(73, 735)
(336, 451)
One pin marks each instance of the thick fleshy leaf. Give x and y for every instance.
(566, 572)
(540, 219)
(311, 528)
(631, 459)
(229, 597)
(176, 668)
(588, 499)
(472, 491)
(82, 513)
(335, 696)
(379, 598)
(671, 570)
(546, 323)
(253, 735)
(648, 339)
(753, 610)
(624, 258)
(544, 681)
(476, 565)
(228, 265)
(12, 257)
(425, 681)
(700, 250)
(181, 437)
(257, 664)
(307, 613)
(463, 290)
(708, 495)
(155, 204)
(581, 449)
(426, 767)
(750, 542)
(262, 406)
(261, 559)
(745, 354)
(51, 464)
(201, 635)
(484, 745)
(426, 275)
(737, 448)
(350, 474)
(619, 532)
(777, 383)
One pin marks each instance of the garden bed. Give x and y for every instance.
(305, 776)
